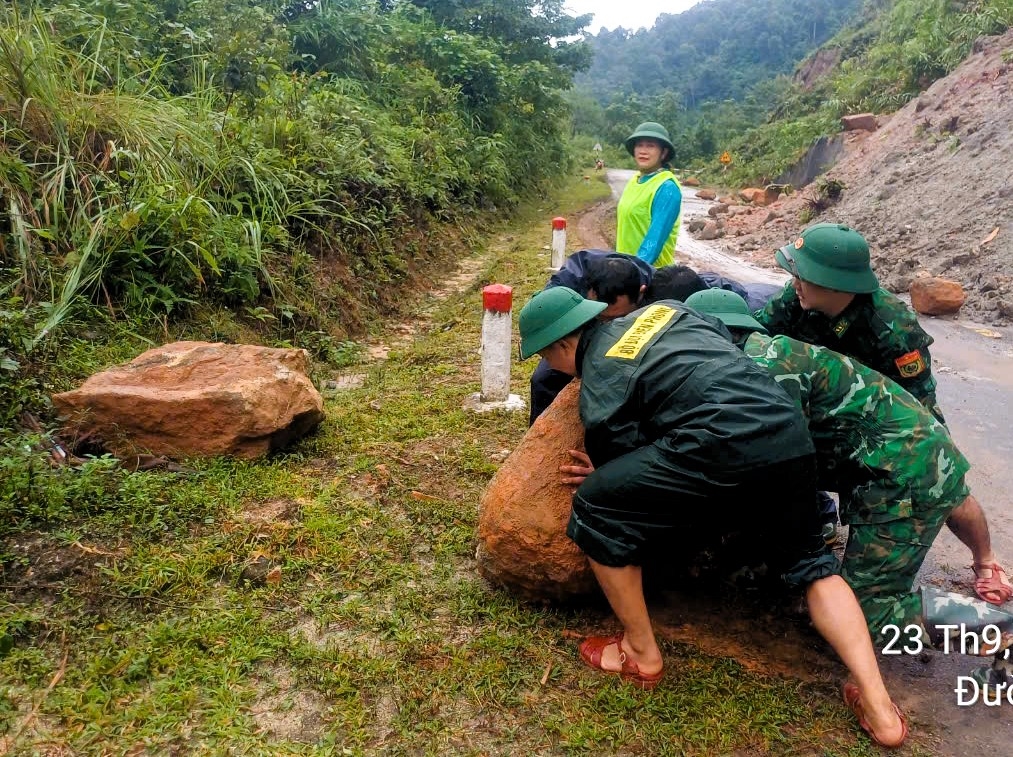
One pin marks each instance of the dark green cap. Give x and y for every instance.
(830, 255)
(552, 314)
(650, 130)
(726, 306)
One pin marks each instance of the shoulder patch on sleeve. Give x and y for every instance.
(636, 337)
(911, 364)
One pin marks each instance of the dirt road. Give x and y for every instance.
(974, 367)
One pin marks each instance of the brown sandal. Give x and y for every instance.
(853, 699)
(994, 585)
(592, 648)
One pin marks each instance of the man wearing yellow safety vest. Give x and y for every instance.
(650, 209)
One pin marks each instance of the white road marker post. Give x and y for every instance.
(558, 243)
(497, 302)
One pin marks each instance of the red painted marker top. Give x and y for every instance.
(558, 223)
(498, 298)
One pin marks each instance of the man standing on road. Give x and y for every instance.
(834, 300)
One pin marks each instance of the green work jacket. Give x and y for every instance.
(664, 375)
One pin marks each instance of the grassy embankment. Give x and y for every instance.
(137, 635)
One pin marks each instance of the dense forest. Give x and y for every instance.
(162, 158)
(765, 78)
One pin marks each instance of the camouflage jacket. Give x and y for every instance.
(876, 329)
(876, 445)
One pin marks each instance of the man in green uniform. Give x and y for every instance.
(895, 466)
(834, 300)
(681, 427)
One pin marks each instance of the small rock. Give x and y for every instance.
(696, 225)
(709, 231)
(257, 571)
(714, 210)
(706, 194)
(860, 122)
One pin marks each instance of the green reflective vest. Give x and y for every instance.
(633, 217)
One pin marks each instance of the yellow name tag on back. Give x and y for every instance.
(636, 337)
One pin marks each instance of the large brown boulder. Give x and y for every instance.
(197, 398)
(935, 296)
(522, 541)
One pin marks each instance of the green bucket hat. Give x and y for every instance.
(830, 255)
(726, 306)
(552, 314)
(650, 130)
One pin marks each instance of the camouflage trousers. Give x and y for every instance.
(882, 559)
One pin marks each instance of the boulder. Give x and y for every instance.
(696, 225)
(715, 210)
(860, 122)
(197, 398)
(690, 181)
(766, 196)
(522, 541)
(749, 193)
(931, 295)
(706, 194)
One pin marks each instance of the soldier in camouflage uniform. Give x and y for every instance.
(834, 300)
(897, 470)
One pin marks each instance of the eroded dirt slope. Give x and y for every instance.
(932, 189)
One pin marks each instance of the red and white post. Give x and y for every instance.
(497, 302)
(558, 243)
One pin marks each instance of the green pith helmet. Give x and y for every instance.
(727, 307)
(830, 255)
(552, 314)
(650, 130)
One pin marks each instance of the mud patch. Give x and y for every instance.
(287, 713)
(402, 334)
(35, 564)
(275, 511)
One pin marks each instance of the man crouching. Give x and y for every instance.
(682, 430)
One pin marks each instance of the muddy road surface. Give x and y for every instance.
(974, 368)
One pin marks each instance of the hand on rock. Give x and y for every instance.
(574, 475)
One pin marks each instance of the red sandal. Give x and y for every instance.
(592, 648)
(994, 585)
(853, 699)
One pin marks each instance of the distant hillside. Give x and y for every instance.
(707, 74)
(716, 50)
(764, 79)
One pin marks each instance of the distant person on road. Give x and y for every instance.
(834, 300)
(650, 209)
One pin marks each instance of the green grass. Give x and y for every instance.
(379, 636)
